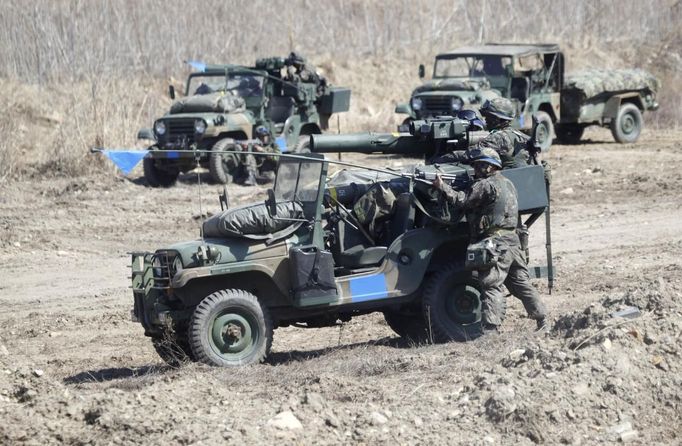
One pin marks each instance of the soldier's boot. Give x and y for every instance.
(250, 178)
(542, 325)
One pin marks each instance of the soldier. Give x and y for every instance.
(510, 144)
(266, 145)
(491, 208)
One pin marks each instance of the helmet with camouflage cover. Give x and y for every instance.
(486, 155)
(501, 108)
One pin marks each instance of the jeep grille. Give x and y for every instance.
(163, 269)
(437, 105)
(180, 129)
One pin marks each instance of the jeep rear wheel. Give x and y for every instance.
(452, 305)
(628, 124)
(223, 166)
(156, 176)
(230, 328)
(569, 133)
(408, 325)
(545, 130)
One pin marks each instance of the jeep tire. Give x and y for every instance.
(545, 130)
(408, 325)
(230, 328)
(223, 166)
(452, 305)
(628, 124)
(157, 177)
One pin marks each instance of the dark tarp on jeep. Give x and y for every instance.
(253, 221)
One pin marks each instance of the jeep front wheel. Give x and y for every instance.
(545, 130)
(156, 176)
(452, 305)
(230, 328)
(628, 124)
(303, 144)
(223, 166)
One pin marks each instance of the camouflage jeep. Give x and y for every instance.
(221, 108)
(530, 75)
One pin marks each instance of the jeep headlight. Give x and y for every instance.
(200, 126)
(417, 103)
(160, 128)
(456, 104)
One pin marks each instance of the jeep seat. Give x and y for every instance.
(361, 257)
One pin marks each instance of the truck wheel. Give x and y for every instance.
(223, 166)
(158, 177)
(173, 349)
(628, 124)
(452, 305)
(303, 144)
(410, 326)
(545, 130)
(569, 133)
(230, 328)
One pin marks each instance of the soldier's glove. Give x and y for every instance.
(548, 171)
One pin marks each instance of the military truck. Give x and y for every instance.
(221, 108)
(532, 76)
(312, 256)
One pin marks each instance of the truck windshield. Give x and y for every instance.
(298, 181)
(471, 66)
(240, 84)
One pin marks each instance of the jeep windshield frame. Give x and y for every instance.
(300, 179)
(471, 66)
(242, 84)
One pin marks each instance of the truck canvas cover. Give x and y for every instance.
(595, 81)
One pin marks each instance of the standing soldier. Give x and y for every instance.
(491, 208)
(265, 144)
(510, 144)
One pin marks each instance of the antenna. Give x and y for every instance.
(201, 207)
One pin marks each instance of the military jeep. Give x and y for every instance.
(308, 257)
(529, 75)
(532, 76)
(221, 108)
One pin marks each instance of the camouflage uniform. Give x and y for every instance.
(266, 163)
(510, 144)
(491, 208)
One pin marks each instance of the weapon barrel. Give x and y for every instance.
(388, 143)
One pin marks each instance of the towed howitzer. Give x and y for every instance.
(428, 137)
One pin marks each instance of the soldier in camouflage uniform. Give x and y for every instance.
(266, 163)
(491, 208)
(510, 144)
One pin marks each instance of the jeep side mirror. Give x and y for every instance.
(271, 203)
(422, 71)
(171, 91)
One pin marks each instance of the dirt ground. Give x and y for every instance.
(75, 370)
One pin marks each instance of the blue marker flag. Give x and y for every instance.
(199, 66)
(125, 160)
(282, 144)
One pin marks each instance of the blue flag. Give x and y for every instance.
(125, 160)
(282, 144)
(199, 66)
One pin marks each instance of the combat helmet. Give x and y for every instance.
(261, 130)
(501, 108)
(295, 59)
(486, 155)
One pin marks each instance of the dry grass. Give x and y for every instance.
(83, 74)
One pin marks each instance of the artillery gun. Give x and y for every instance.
(313, 255)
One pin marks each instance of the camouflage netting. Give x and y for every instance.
(214, 102)
(595, 81)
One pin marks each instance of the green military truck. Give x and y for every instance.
(221, 108)
(532, 76)
(312, 256)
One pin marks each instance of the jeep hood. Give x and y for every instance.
(230, 250)
(453, 84)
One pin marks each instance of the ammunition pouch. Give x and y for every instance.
(481, 255)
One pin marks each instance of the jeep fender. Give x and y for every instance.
(613, 104)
